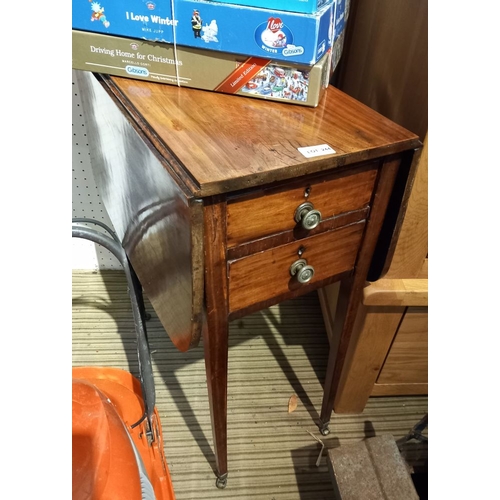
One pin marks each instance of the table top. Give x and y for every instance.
(221, 143)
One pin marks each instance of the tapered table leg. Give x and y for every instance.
(345, 296)
(215, 337)
(351, 290)
(215, 342)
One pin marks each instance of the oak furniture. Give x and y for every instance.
(388, 351)
(384, 65)
(221, 214)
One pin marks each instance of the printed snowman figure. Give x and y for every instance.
(98, 14)
(210, 32)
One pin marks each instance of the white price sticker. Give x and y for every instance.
(312, 151)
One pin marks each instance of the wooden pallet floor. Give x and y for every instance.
(273, 354)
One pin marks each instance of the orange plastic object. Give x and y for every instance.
(106, 403)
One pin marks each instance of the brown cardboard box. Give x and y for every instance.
(201, 69)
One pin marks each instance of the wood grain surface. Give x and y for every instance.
(373, 334)
(266, 274)
(403, 292)
(159, 224)
(225, 143)
(187, 151)
(399, 389)
(407, 359)
(296, 234)
(216, 333)
(272, 210)
(412, 243)
(385, 301)
(351, 289)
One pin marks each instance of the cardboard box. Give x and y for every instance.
(304, 6)
(340, 17)
(235, 29)
(201, 69)
(336, 50)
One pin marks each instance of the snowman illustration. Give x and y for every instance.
(210, 32)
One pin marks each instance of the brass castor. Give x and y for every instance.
(221, 482)
(323, 428)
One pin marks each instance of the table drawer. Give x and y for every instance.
(271, 211)
(266, 275)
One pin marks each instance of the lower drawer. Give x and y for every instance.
(262, 276)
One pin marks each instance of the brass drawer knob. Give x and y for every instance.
(307, 216)
(302, 271)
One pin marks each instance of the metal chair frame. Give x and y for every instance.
(113, 244)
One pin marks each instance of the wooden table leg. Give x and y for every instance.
(351, 291)
(345, 296)
(215, 341)
(215, 336)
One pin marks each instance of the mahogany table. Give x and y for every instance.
(222, 213)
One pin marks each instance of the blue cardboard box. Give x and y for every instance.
(340, 17)
(305, 6)
(278, 35)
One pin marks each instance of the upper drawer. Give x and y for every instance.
(271, 211)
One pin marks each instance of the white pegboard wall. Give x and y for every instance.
(86, 200)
